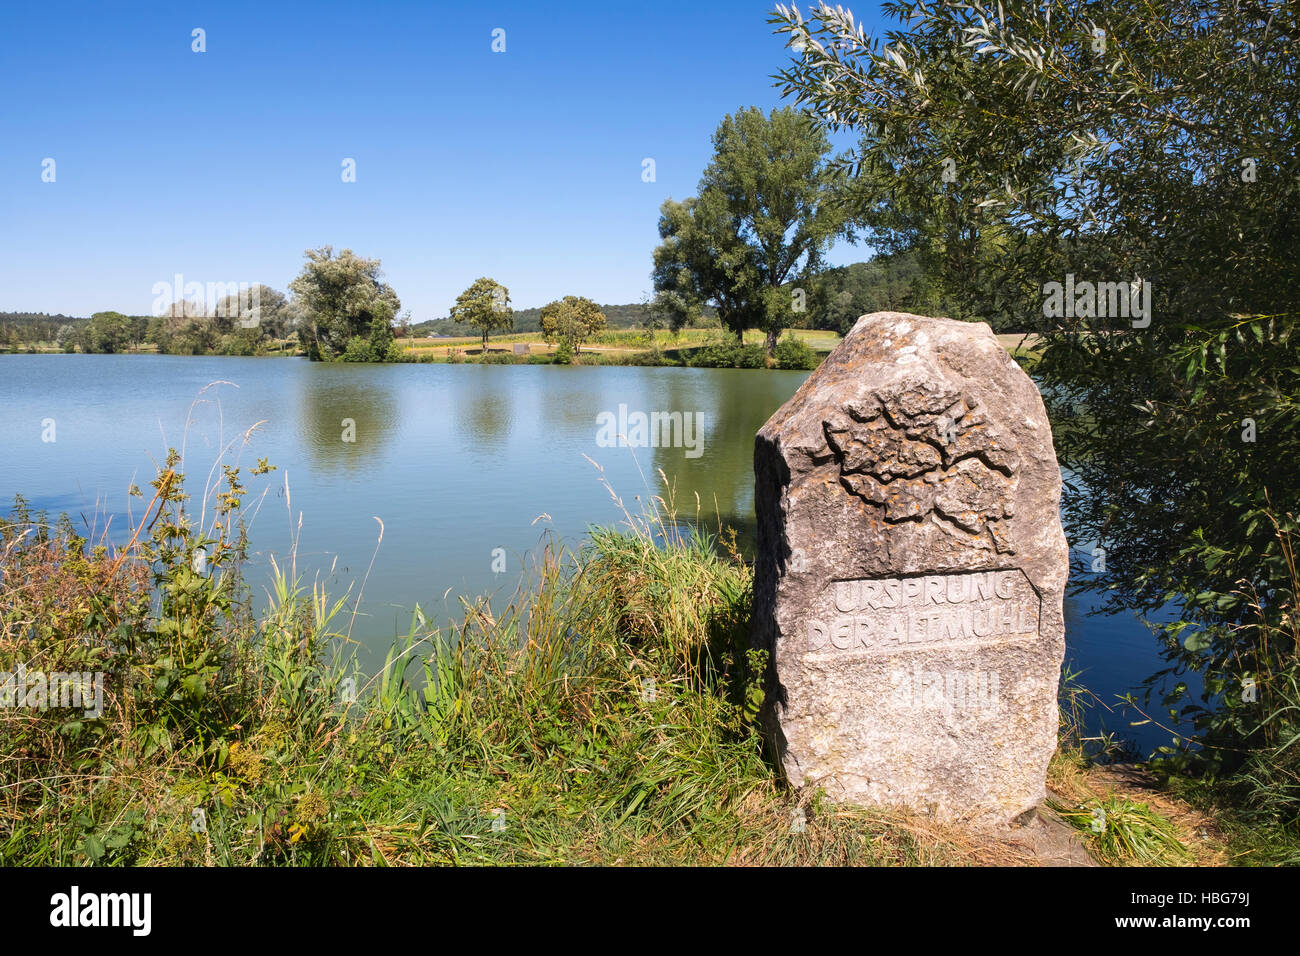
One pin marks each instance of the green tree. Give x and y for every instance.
(1152, 147)
(69, 337)
(185, 329)
(259, 309)
(485, 305)
(139, 327)
(294, 318)
(571, 321)
(192, 335)
(108, 332)
(381, 334)
(340, 297)
(888, 283)
(752, 241)
(929, 182)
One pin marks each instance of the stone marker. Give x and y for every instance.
(910, 573)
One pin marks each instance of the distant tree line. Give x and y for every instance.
(888, 283)
(838, 297)
(21, 328)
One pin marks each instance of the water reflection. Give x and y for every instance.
(585, 393)
(734, 409)
(483, 414)
(348, 419)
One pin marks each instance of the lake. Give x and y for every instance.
(467, 467)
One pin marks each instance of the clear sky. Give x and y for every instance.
(224, 166)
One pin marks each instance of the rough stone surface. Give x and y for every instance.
(910, 574)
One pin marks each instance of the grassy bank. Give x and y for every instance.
(605, 714)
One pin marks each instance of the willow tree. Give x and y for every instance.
(751, 243)
(341, 298)
(1151, 146)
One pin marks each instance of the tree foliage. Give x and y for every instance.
(341, 297)
(17, 328)
(108, 332)
(485, 306)
(243, 323)
(571, 321)
(768, 208)
(888, 283)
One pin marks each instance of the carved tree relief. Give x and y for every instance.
(928, 453)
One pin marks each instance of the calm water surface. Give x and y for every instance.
(457, 461)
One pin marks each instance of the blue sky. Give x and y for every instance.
(224, 166)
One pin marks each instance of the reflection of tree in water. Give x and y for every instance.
(329, 398)
(484, 413)
(581, 398)
(735, 403)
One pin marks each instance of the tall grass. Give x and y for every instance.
(1122, 832)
